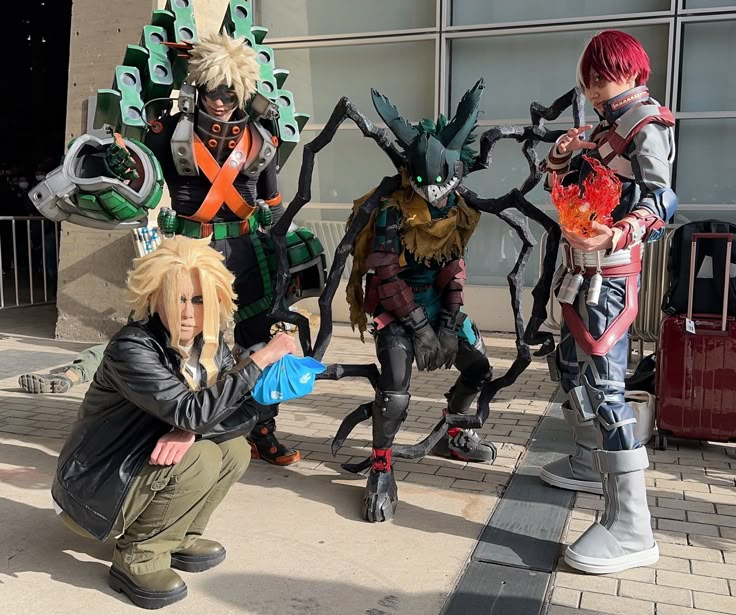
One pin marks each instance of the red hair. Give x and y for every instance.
(615, 56)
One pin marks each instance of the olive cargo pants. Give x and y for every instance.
(168, 507)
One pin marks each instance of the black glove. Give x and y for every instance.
(426, 345)
(450, 324)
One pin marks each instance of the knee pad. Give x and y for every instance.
(392, 404)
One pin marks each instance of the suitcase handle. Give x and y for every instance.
(691, 283)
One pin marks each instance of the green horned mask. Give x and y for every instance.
(436, 154)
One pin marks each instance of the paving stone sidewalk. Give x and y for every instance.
(296, 543)
(692, 499)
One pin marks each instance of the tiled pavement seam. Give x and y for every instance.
(511, 568)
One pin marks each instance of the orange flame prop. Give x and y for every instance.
(579, 207)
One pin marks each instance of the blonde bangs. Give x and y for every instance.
(157, 279)
(220, 60)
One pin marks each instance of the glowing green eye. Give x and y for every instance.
(419, 179)
(439, 178)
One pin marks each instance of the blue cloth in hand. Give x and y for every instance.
(289, 378)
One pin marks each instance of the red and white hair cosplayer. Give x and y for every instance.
(615, 56)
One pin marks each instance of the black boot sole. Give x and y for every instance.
(144, 598)
(196, 563)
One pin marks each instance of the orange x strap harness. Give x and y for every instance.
(222, 177)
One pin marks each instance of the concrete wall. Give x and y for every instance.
(93, 264)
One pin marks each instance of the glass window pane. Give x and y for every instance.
(707, 4)
(543, 67)
(685, 215)
(706, 150)
(344, 170)
(297, 18)
(465, 12)
(320, 76)
(493, 250)
(708, 47)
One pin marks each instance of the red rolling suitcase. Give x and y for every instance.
(696, 367)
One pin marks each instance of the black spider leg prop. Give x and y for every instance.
(362, 413)
(573, 98)
(515, 199)
(531, 135)
(336, 371)
(365, 411)
(491, 386)
(543, 289)
(344, 109)
(343, 250)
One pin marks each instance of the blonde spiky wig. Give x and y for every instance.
(220, 60)
(157, 279)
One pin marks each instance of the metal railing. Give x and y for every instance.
(653, 285)
(29, 259)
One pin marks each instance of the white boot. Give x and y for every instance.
(576, 472)
(623, 539)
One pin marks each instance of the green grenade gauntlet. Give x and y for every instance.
(167, 222)
(307, 269)
(82, 192)
(263, 214)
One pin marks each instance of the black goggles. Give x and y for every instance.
(221, 92)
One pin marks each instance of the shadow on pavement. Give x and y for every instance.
(344, 494)
(35, 540)
(265, 594)
(34, 467)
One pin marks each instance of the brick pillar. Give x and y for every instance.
(93, 264)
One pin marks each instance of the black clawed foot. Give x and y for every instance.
(381, 497)
(465, 445)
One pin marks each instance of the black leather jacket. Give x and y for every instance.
(137, 396)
